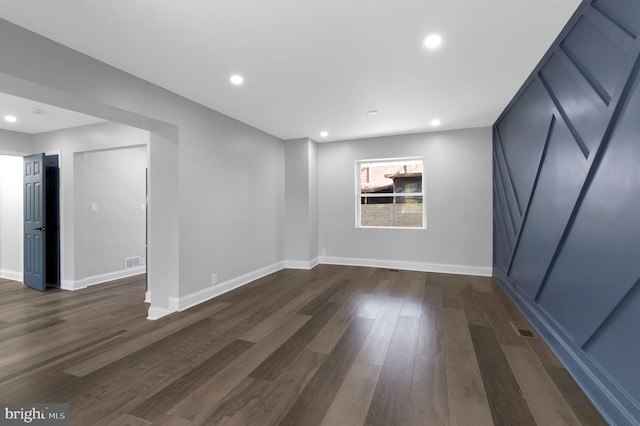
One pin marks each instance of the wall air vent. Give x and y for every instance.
(132, 262)
(523, 330)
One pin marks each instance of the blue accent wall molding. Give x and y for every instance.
(566, 183)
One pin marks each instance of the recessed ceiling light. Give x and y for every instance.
(236, 79)
(324, 134)
(435, 122)
(36, 111)
(432, 41)
(10, 118)
(372, 112)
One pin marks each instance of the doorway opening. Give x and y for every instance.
(102, 207)
(162, 141)
(41, 221)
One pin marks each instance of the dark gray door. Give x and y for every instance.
(34, 222)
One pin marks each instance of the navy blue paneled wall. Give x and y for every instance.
(567, 202)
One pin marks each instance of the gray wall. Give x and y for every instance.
(314, 201)
(114, 181)
(301, 203)
(231, 200)
(458, 203)
(567, 202)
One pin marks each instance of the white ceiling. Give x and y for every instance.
(318, 65)
(50, 117)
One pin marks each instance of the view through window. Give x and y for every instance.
(390, 193)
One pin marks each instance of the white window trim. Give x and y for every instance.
(386, 161)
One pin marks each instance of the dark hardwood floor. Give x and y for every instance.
(332, 346)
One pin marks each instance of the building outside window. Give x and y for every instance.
(390, 194)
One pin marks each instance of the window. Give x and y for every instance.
(390, 194)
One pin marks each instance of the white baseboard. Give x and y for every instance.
(301, 264)
(67, 285)
(198, 297)
(155, 313)
(102, 278)
(446, 268)
(11, 275)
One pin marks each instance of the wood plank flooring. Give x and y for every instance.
(335, 345)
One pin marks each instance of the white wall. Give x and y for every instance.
(458, 237)
(14, 145)
(11, 205)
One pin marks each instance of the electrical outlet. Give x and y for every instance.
(214, 279)
(323, 252)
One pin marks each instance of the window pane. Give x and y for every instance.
(385, 188)
(407, 212)
(376, 200)
(392, 178)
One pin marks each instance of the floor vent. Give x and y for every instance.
(132, 262)
(522, 330)
(394, 270)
